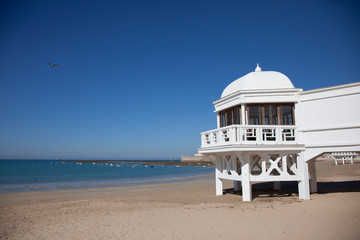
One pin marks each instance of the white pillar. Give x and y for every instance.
(277, 185)
(243, 114)
(218, 120)
(219, 187)
(313, 182)
(237, 184)
(218, 181)
(303, 184)
(245, 173)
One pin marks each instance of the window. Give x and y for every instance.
(254, 113)
(287, 114)
(230, 116)
(222, 119)
(260, 114)
(236, 115)
(270, 114)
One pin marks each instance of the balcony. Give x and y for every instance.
(250, 135)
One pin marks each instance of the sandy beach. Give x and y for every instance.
(189, 210)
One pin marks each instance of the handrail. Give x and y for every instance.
(250, 134)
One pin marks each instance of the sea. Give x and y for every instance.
(46, 175)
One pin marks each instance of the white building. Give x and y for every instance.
(268, 130)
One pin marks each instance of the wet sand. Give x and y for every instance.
(189, 210)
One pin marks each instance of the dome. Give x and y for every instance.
(258, 80)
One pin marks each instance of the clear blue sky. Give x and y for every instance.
(136, 79)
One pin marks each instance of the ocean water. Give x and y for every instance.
(45, 175)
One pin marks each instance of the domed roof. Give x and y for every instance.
(258, 80)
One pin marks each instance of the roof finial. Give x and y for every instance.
(258, 69)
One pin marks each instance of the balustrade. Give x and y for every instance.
(249, 134)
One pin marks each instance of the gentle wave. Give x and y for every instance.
(87, 185)
(44, 175)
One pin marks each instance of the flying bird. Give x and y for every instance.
(53, 65)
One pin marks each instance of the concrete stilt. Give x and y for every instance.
(246, 184)
(303, 184)
(219, 187)
(313, 182)
(218, 181)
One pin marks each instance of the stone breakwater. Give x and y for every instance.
(146, 162)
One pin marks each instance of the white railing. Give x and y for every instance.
(344, 156)
(249, 134)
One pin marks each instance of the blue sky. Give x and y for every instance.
(136, 79)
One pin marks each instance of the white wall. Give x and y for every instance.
(330, 119)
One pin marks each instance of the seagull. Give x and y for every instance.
(53, 65)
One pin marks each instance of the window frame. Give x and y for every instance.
(227, 116)
(279, 113)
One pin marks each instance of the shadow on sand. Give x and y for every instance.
(264, 190)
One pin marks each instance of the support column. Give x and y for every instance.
(218, 181)
(303, 184)
(219, 187)
(237, 184)
(245, 173)
(312, 170)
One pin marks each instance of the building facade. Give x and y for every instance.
(268, 130)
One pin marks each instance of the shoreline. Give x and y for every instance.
(97, 175)
(46, 187)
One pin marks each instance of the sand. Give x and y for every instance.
(189, 210)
